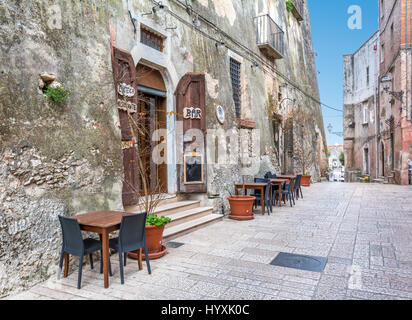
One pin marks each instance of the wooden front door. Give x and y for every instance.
(152, 111)
(124, 74)
(190, 107)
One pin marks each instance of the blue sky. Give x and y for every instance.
(332, 38)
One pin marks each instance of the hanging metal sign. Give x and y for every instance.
(192, 113)
(128, 106)
(126, 90)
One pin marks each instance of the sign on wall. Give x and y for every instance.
(193, 168)
(192, 113)
(220, 114)
(126, 90)
(128, 106)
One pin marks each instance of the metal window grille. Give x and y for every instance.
(235, 77)
(151, 39)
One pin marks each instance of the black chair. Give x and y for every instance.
(73, 243)
(276, 192)
(270, 175)
(257, 194)
(287, 193)
(298, 187)
(132, 236)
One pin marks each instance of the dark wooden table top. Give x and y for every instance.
(287, 176)
(278, 180)
(101, 218)
(251, 184)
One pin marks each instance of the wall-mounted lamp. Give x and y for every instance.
(196, 21)
(386, 84)
(254, 65)
(220, 43)
(158, 7)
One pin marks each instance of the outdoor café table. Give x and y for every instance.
(102, 222)
(254, 186)
(286, 176)
(279, 183)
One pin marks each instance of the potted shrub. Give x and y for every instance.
(154, 235)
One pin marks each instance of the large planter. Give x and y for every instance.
(155, 248)
(305, 180)
(241, 207)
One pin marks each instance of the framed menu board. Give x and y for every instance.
(193, 168)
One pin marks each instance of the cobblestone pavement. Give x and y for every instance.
(365, 231)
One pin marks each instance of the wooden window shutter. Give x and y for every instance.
(124, 71)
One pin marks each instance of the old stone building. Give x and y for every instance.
(237, 64)
(360, 72)
(395, 100)
(377, 123)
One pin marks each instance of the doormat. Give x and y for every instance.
(297, 261)
(173, 244)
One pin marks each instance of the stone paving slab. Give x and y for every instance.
(367, 240)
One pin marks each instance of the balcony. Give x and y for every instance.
(298, 9)
(269, 37)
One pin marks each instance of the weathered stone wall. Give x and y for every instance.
(66, 159)
(54, 158)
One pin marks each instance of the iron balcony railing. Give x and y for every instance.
(298, 9)
(270, 36)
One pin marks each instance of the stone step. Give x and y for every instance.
(166, 198)
(186, 227)
(170, 208)
(187, 215)
(176, 207)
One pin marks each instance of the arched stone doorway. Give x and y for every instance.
(152, 109)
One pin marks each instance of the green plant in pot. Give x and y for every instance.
(154, 233)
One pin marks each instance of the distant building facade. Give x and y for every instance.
(378, 101)
(360, 72)
(395, 101)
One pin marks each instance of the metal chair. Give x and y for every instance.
(257, 194)
(132, 236)
(74, 244)
(270, 175)
(276, 193)
(298, 187)
(287, 194)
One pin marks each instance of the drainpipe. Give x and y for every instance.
(410, 50)
(407, 48)
(377, 111)
(378, 120)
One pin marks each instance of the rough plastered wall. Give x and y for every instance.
(66, 159)
(55, 159)
(358, 94)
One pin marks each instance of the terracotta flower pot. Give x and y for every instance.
(155, 248)
(241, 207)
(305, 180)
